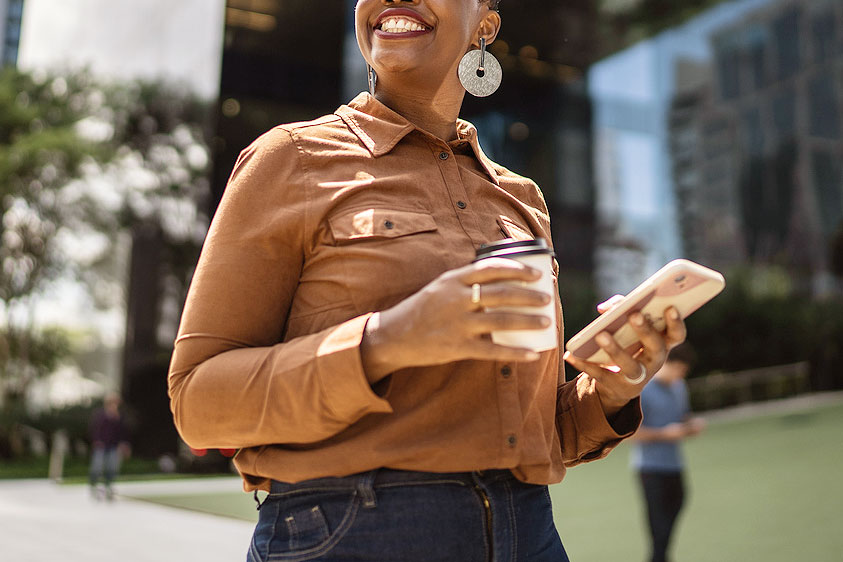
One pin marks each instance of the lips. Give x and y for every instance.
(400, 22)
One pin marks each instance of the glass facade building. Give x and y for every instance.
(11, 12)
(720, 140)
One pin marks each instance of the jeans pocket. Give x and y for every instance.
(306, 528)
(302, 526)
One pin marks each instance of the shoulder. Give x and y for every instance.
(287, 137)
(327, 135)
(277, 152)
(512, 181)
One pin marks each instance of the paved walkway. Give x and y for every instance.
(44, 522)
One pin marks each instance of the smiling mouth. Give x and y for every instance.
(400, 24)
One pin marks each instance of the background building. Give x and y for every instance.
(720, 140)
(757, 147)
(633, 92)
(11, 12)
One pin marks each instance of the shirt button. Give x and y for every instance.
(444, 155)
(461, 204)
(512, 440)
(506, 371)
(389, 225)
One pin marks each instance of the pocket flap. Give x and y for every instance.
(379, 223)
(514, 230)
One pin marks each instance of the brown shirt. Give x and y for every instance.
(322, 223)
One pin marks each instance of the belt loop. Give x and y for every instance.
(259, 501)
(366, 489)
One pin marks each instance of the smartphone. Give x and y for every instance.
(681, 283)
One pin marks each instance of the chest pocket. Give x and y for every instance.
(370, 224)
(512, 229)
(386, 254)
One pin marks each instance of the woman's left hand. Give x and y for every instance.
(623, 382)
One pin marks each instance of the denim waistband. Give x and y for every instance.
(387, 477)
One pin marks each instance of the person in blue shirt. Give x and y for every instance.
(656, 453)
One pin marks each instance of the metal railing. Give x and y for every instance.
(721, 390)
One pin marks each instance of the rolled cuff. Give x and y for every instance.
(346, 389)
(596, 435)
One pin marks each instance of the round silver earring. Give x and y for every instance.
(480, 72)
(372, 77)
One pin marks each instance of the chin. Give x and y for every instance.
(395, 63)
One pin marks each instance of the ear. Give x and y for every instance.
(489, 28)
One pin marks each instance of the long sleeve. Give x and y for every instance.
(233, 381)
(584, 431)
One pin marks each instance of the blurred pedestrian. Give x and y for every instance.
(109, 446)
(656, 453)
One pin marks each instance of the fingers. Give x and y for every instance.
(494, 321)
(488, 351)
(627, 365)
(493, 295)
(653, 352)
(609, 303)
(614, 389)
(652, 341)
(494, 270)
(675, 331)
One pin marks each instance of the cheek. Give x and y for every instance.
(361, 30)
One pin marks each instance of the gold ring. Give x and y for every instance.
(641, 376)
(475, 294)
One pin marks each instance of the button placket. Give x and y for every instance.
(510, 409)
(449, 167)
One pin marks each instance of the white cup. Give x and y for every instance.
(537, 255)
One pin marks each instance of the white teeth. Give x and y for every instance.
(400, 25)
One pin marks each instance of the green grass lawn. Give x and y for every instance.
(768, 488)
(75, 469)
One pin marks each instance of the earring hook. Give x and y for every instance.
(481, 70)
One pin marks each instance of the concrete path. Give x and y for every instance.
(41, 521)
(44, 522)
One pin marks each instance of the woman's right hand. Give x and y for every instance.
(440, 323)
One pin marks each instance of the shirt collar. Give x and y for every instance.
(380, 129)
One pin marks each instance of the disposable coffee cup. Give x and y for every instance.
(537, 255)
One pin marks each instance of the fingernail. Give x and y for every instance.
(637, 319)
(603, 338)
(532, 356)
(673, 313)
(566, 355)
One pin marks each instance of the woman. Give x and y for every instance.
(332, 334)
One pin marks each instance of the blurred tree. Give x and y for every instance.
(753, 324)
(41, 151)
(161, 164)
(84, 167)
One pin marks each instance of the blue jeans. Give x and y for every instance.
(391, 515)
(105, 464)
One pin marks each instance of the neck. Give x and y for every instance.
(435, 112)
